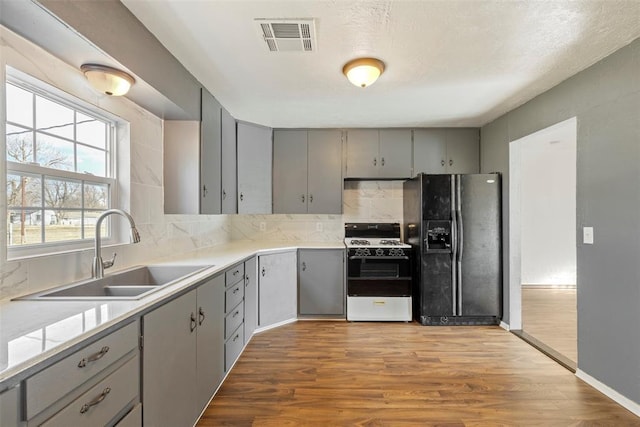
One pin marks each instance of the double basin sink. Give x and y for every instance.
(130, 284)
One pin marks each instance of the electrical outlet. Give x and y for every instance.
(587, 235)
(319, 226)
(263, 226)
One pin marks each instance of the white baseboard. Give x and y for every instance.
(609, 392)
(275, 325)
(504, 326)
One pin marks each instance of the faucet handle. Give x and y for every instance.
(109, 263)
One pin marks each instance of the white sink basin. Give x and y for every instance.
(131, 284)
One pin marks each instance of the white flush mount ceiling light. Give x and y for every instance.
(363, 72)
(107, 80)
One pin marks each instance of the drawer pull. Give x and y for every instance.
(236, 337)
(95, 401)
(236, 313)
(194, 322)
(201, 316)
(236, 290)
(94, 357)
(235, 273)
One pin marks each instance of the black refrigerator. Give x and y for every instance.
(453, 224)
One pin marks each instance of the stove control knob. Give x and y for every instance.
(379, 252)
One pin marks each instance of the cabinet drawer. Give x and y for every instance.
(233, 296)
(233, 320)
(46, 387)
(233, 347)
(101, 403)
(234, 275)
(133, 418)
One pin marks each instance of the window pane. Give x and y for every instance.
(62, 194)
(90, 220)
(96, 196)
(54, 153)
(91, 131)
(24, 226)
(91, 161)
(24, 191)
(54, 118)
(19, 106)
(62, 225)
(19, 144)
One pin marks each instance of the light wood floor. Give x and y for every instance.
(550, 316)
(313, 373)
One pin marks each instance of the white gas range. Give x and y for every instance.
(379, 273)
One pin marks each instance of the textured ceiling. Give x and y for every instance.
(449, 63)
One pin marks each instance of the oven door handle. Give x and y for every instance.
(377, 257)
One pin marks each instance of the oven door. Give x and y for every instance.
(372, 276)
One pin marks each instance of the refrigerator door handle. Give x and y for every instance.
(460, 243)
(454, 248)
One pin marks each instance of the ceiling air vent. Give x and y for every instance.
(287, 35)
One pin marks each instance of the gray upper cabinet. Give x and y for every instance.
(210, 155)
(373, 153)
(440, 150)
(181, 167)
(307, 167)
(254, 169)
(229, 164)
(321, 287)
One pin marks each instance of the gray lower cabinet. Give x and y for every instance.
(10, 407)
(255, 151)
(378, 153)
(307, 171)
(321, 282)
(250, 297)
(446, 150)
(276, 288)
(183, 357)
(98, 384)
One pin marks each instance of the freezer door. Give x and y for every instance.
(479, 245)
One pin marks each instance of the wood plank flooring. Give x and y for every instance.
(550, 316)
(320, 373)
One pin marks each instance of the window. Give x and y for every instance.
(59, 157)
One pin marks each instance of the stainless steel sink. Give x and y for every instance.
(131, 284)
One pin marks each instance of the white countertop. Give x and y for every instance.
(36, 333)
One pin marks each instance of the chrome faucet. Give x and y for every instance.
(97, 270)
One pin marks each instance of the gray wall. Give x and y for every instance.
(605, 98)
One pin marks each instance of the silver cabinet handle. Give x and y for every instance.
(201, 316)
(302, 198)
(236, 290)
(236, 337)
(375, 161)
(246, 280)
(235, 273)
(310, 198)
(97, 356)
(450, 162)
(204, 191)
(263, 272)
(382, 161)
(235, 314)
(193, 322)
(224, 194)
(442, 163)
(95, 401)
(241, 197)
(304, 266)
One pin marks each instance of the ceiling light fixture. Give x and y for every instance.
(363, 72)
(108, 80)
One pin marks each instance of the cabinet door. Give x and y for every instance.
(290, 171)
(210, 162)
(463, 150)
(277, 288)
(321, 282)
(181, 160)
(395, 153)
(10, 407)
(254, 169)
(250, 297)
(229, 160)
(210, 341)
(324, 171)
(169, 363)
(362, 153)
(429, 151)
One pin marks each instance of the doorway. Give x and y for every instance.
(542, 237)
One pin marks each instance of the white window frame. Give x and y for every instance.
(54, 94)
